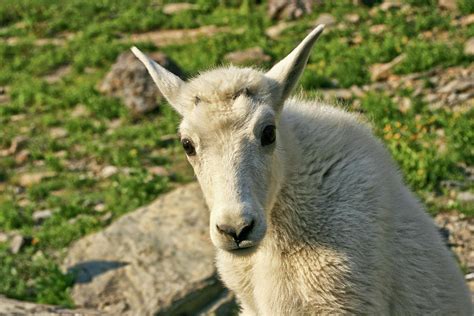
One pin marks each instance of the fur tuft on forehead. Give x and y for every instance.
(219, 86)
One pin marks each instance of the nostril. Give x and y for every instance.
(227, 230)
(230, 231)
(245, 231)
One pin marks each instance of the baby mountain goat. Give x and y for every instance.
(308, 212)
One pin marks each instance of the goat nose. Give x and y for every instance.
(239, 234)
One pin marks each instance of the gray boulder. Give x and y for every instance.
(158, 260)
(14, 307)
(129, 80)
(289, 9)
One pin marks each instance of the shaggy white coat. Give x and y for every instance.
(336, 229)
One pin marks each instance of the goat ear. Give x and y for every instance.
(287, 72)
(168, 83)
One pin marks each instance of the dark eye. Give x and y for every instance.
(268, 135)
(188, 147)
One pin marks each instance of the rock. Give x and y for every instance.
(378, 29)
(450, 5)
(109, 171)
(4, 97)
(466, 197)
(22, 157)
(173, 8)
(459, 230)
(275, 31)
(158, 260)
(29, 179)
(100, 207)
(58, 132)
(14, 307)
(16, 144)
(3, 237)
(383, 71)
(326, 19)
(16, 244)
(129, 80)
(352, 18)
(80, 111)
(159, 171)
(389, 5)
(57, 74)
(250, 56)
(338, 94)
(179, 36)
(405, 104)
(41, 216)
(467, 20)
(469, 47)
(289, 9)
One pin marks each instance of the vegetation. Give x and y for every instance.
(69, 132)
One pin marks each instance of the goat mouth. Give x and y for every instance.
(243, 249)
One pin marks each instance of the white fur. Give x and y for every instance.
(336, 230)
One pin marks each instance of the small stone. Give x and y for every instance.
(377, 29)
(383, 71)
(41, 216)
(99, 207)
(254, 55)
(109, 171)
(467, 20)
(58, 132)
(325, 18)
(22, 157)
(106, 217)
(16, 144)
(173, 8)
(18, 118)
(466, 197)
(352, 17)
(289, 9)
(450, 5)
(29, 179)
(80, 111)
(339, 94)
(357, 91)
(405, 105)
(469, 47)
(275, 31)
(3, 237)
(17, 243)
(469, 276)
(57, 74)
(158, 171)
(356, 39)
(389, 5)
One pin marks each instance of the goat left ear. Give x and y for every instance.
(287, 72)
(169, 84)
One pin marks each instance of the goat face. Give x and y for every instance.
(231, 136)
(231, 139)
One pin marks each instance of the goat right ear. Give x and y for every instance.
(287, 72)
(168, 83)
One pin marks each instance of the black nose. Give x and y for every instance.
(239, 234)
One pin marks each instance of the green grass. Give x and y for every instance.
(95, 139)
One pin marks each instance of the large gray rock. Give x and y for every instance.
(156, 260)
(14, 307)
(289, 9)
(129, 80)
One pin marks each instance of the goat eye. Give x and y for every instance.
(268, 135)
(188, 147)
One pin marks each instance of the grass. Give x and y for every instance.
(106, 135)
